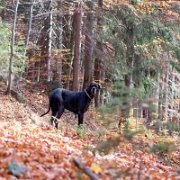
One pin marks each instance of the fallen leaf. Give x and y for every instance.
(96, 168)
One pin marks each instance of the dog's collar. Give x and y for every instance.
(87, 94)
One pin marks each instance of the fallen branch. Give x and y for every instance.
(86, 170)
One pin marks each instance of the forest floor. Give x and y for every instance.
(30, 148)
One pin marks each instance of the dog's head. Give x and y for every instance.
(93, 89)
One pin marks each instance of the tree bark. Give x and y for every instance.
(165, 95)
(44, 63)
(12, 49)
(68, 43)
(129, 55)
(27, 40)
(97, 65)
(59, 39)
(49, 68)
(29, 26)
(89, 46)
(129, 62)
(77, 48)
(71, 48)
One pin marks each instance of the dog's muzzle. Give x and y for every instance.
(93, 90)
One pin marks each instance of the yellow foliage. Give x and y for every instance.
(131, 111)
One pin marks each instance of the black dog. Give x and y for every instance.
(76, 102)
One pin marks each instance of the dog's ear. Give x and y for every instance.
(91, 84)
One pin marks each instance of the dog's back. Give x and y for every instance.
(63, 94)
(72, 100)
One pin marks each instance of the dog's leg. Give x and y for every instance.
(80, 124)
(53, 117)
(56, 123)
(80, 118)
(60, 112)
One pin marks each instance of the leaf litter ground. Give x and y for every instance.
(32, 149)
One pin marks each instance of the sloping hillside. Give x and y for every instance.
(32, 149)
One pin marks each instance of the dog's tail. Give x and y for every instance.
(45, 112)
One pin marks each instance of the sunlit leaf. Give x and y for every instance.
(96, 168)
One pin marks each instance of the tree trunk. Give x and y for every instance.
(12, 49)
(49, 68)
(44, 44)
(68, 43)
(129, 55)
(160, 104)
(129, 62)
(156, 95)
(59, 40)
(29, 26)
(27, 40)
(165, 95)
(71, 48)
(89, 46)
(97, 65)
(77, 48)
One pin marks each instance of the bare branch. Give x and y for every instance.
(86, 170)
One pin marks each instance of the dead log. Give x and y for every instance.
(85, 170)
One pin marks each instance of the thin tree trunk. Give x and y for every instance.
(44, 63)
(165, 98)
(68, 42)
(71, 57)
(156, 94)
(129, 55)
(27, 40)
(12, 49)
(60, 41)
(38, 67)
(129, 62)
(29, 26)
(97, 64)
(160, 98)
(49, 68)
(89, 46)
(77, 48)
